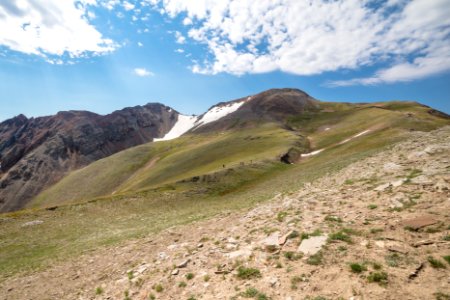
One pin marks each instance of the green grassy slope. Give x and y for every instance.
(149, 199)
(156, 164)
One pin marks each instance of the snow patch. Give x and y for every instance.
(312, 153)
(219, 112)
(355, 136)
(183, 125)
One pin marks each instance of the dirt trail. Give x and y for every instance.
(362, 210)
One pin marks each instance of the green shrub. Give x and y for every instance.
(248, 273)
(182, 284)
(372, 206)
(379, 277)
(189, 276)
(159, 288)
(357, 268)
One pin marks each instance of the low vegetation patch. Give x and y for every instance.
(378, 277)
(315, 259)
(436, 263)
(251, 292)
(248, 273)
(357, 268)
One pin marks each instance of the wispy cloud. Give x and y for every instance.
(142, 72)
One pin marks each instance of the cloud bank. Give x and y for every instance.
(50, 28)
(317, 36)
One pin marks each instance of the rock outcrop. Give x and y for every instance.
(37, 152)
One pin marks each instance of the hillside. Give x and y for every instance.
(222, 155)
(378, 228)
(37, 152)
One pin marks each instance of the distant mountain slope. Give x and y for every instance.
(242, 145)
(35, 153)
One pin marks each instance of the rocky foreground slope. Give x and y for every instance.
(35, 153)
(377, 229)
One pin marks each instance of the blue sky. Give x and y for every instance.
(106, 55)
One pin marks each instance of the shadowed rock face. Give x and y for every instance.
(37, 152)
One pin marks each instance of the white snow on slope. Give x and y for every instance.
(312, 153)
(219, 112)
(355, 136)
(183, 125)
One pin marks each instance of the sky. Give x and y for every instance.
(104, 55)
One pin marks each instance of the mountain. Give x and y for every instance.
(239, 142)
(77, 156)
(37, 152)
(322, 167)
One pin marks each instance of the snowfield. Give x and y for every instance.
(186, 123)
(219, 112)
(183, 125)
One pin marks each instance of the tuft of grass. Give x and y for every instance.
(447, 258)
(151, 296)
(206, 278)
(315, 259)
(340, 236)
(158, 288)
(372, 206)
(182, 284)
(251, 292)
(357, 268)
(446, 238)
(248, 273)
(436, 263)
(130, 275)
(349, 181)
(442, 296)
(98, 291)
(292, 255)
(376, 230)
(393, 260)
(189, 276)
(281, 216)
(333, 219)
(378, 277)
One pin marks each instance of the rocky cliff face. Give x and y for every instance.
(37, 152)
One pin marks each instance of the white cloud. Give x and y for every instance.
(50, 28)
(180, 39)
(179, 50)
(142, 72)
(313, 37)
(128, 6)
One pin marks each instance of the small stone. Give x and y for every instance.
(312, 245)
(183, 264)
(175, 272)
(379, 244)
(200, 245)
(282, 240)
(382, 187)
(242, 254)
(271, 242)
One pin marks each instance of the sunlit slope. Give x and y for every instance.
(173, 164)
(156, 164)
